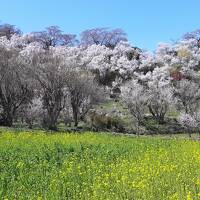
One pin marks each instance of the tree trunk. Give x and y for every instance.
(161, 120)
(30, 126)
(189, 133)
(7, 118)
(50, 121)
(75, 114)
(52, 127)
(138, 128)
(52, 124)
(8, 121)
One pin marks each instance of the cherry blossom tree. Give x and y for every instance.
(135, 97)
(188, 122)
(187, 94)
(32, 112)
(111, 65)
(159, 91)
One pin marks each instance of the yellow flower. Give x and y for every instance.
(189, 196)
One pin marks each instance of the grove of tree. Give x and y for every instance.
(46, 74)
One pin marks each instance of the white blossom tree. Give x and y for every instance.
(187, 94)
(135, 97)
(188, 121)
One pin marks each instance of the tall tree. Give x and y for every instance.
(9, 30)
(15, 89)
(103, 36)
(48, 70)
(53, 36)
(83, 92)
(135, 97)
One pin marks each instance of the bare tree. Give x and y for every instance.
(49, 72)
(15, 89)
(83, 91)
(103, 36)
(53, 36)
(69, 40)
(9, 30)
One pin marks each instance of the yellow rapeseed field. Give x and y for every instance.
(97, 166)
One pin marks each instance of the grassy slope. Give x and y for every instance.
(97, 166)
(127, 118)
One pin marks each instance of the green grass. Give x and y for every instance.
(126, 119)
(39, 165)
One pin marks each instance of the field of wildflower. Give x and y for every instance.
(97, 166)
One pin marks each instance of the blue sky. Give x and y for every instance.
(146, 22)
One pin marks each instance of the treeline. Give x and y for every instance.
(49, 76)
